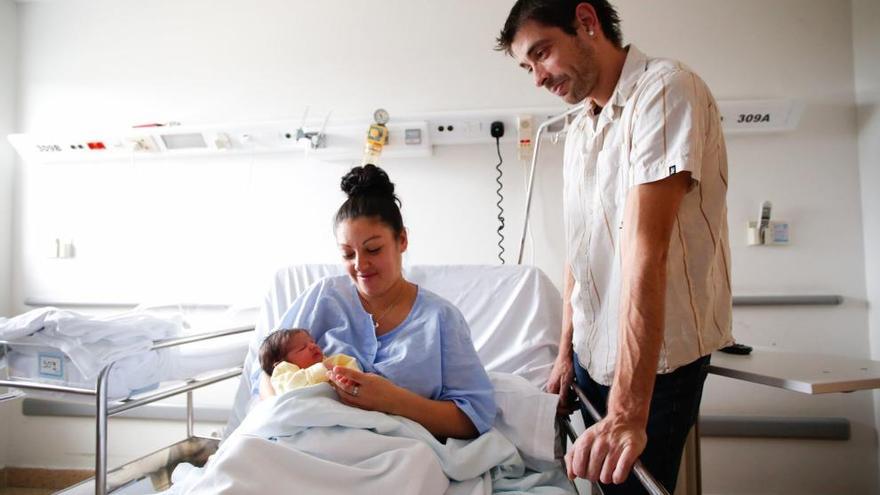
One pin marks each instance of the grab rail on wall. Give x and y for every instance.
(42, 303)
(791, 300)
(764, 300)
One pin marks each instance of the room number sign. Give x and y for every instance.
(759, 115)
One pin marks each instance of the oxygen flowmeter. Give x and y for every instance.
(377, 137)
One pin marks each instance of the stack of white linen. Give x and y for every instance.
(91, 343)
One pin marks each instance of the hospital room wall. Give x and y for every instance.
(227, 61)
(8, 78)
(866, 43)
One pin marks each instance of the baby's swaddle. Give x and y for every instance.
(288, 376)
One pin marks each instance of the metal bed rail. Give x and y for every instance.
(647, 480)
(104, 409)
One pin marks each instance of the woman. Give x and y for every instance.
(414, 346)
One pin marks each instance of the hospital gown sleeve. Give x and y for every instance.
(669, 128)
(465, 381)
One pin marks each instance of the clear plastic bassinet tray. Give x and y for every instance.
(40, 363)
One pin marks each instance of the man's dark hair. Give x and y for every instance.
(558, 13)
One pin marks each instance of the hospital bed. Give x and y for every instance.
(514, 313)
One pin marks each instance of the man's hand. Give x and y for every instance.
(561, 378)
(607, 451)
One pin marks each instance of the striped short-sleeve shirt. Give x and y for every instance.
(661, 120)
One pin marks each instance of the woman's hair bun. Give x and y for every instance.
(368, 180)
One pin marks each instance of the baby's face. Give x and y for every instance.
(303, 351)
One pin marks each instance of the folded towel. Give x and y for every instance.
(91, 343)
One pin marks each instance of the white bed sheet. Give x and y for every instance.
(310, 442)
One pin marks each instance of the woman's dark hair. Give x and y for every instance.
(370, 194)
(557, 13)
(273, 350)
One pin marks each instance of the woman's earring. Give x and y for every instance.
(592, 33)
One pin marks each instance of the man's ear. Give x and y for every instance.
(586, 18)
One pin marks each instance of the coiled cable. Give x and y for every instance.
(500, 199)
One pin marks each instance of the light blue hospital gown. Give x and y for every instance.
(429, 353)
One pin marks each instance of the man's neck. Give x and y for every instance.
(610, 68)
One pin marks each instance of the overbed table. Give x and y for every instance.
(806, 373)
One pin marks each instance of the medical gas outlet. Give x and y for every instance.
(525, 128)
(377, 137)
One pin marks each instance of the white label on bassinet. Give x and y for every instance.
(51, 365)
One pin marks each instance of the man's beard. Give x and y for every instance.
(584, 75)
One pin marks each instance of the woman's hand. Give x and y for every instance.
(375, 393)
(364, 390)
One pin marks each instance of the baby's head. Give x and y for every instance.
(293, 345)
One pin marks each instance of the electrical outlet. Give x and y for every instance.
(460, 131)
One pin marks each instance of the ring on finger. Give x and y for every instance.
(356, 390)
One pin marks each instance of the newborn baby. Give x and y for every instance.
(293, 360)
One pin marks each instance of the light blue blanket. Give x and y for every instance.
(309, 440)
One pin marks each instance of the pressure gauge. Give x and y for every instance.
(381, 116)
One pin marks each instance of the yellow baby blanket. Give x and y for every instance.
(288, 376)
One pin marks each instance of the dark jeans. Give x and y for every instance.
(675, 407)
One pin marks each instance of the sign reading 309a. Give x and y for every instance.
(759, 115)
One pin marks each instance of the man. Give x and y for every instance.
(647, 279)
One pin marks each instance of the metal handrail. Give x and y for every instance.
(48, 387)
(161, 344)
(189, 386)
(102, 403)
(104, 412)
(789, 300)
(572, 435)
(646, 478)
(11, 395)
